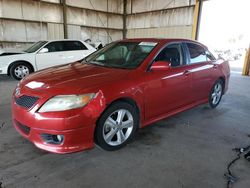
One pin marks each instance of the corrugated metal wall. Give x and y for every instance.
(25, 21)
(160, 18)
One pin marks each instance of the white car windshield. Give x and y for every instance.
(35, 47)
(127, 55)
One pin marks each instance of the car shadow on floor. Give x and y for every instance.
(6, 78)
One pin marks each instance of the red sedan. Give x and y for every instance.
(110, 94)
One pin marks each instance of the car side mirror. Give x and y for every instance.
(160, 66)
(44, 50)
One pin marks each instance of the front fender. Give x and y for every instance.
(132, 93)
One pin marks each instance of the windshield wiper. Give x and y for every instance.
(94, 63)
(103, 64)
(84, 61)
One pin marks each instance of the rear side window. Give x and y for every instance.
(74, 45)
(197, 53)
(173, 54)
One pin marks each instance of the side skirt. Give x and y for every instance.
(181, 109)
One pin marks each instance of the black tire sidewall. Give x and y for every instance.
(16, 64)
(99, 127)
(210, 95)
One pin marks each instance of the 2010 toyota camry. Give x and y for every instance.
(106, 97)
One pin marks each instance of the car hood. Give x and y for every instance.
(72, 78)
(10, 51)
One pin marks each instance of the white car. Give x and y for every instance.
(41, 55)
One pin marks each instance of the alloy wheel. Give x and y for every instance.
(216, 94)
(118, 127)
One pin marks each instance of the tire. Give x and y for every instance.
(216, 94)
(112, 132)
(19, 70)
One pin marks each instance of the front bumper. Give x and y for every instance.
(76, 126)
(75, 139)
(3, 70)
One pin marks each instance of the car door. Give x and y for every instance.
(200, 70)
(168, 90)
(50, 55)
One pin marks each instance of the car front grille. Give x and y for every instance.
(23, 128)
(26, 101)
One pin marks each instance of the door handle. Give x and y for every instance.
(186, 72)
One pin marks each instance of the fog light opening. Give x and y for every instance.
(59, 138)
(52, 139)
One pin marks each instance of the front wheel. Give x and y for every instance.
(216, 94)
(117, 126)
(19, 70)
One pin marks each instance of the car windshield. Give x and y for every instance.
(127, 55)
(35, 47)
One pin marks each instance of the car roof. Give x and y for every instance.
(162, 40)
(58, 40)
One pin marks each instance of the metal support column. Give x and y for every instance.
(246, 67)
(65, 24)
(124, 30)
(196, 20)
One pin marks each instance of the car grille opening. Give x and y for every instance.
(23, 128)
(26, 101)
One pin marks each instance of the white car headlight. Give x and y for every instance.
(66, 102)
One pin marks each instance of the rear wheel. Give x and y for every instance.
(117, 126)
(216, 94)
(19, 70)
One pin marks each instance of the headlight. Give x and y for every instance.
(66, 102)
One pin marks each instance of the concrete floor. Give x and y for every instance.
(189, 150)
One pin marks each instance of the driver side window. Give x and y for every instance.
(173, 54)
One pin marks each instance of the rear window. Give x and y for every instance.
(210, 56)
